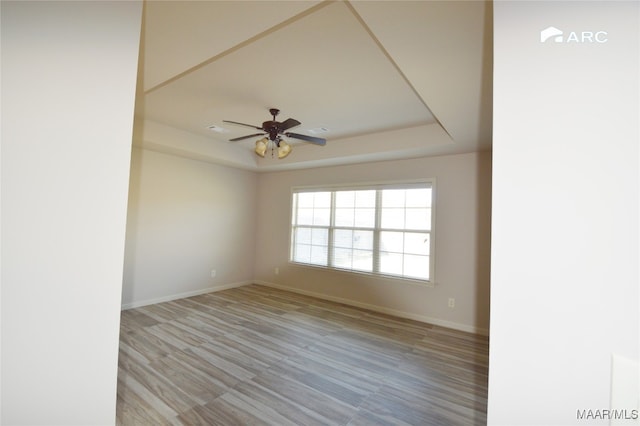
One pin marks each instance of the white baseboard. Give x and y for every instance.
(171, 297)
(376, 308)
(382, 309)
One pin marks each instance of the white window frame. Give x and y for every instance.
(377, 229)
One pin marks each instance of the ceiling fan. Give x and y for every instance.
(273, 131)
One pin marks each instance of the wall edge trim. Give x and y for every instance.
(177, 296)
(381, 309)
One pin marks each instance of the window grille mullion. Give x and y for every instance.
(294, 215)
(376, 232)
(330, 237)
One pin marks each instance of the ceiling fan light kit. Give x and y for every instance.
(261, 146)
(283, 149)
(273, 131)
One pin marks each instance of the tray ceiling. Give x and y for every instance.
(387, 79)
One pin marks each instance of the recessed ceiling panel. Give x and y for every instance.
(444, 49)
(182, 34)
(323, 69)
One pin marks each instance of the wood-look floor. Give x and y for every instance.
(255, 355)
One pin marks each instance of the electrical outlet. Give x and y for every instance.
(452, 302)
(213, 273)
(276, 271)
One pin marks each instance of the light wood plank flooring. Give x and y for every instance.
(255, 355)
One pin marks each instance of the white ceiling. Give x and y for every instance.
(388, 79)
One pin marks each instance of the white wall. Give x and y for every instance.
(564, 280)
(68, 87)
(461, 238)
(185, 218)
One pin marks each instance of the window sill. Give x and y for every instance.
(404, 280)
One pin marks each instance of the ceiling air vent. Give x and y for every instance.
(217, 129)
(318, 130)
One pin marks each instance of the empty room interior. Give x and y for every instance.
(317, 212)
(346, 91)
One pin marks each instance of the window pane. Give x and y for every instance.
(365, 198)
(391, 241)
(418, 197)
(321, 217)
(344, 217)
(363, 240)
(303, 235)
(345, 198)
(305, 199)
(319, 237)
(322, 199)
(343, 238)
(418, 218)
(393, 198)
(392, 218)
(305, 216)
(342, 258)
(416, 266)
(415, 243)
(363, 260)
(365, 218)
(302, 253)
(318, 255)
(391, 263)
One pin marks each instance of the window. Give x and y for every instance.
(383, 229)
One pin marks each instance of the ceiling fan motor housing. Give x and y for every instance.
(271, 127)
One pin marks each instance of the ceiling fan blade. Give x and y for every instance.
(312, 139)
(242, 124)
(288, 124)
(246, 137)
